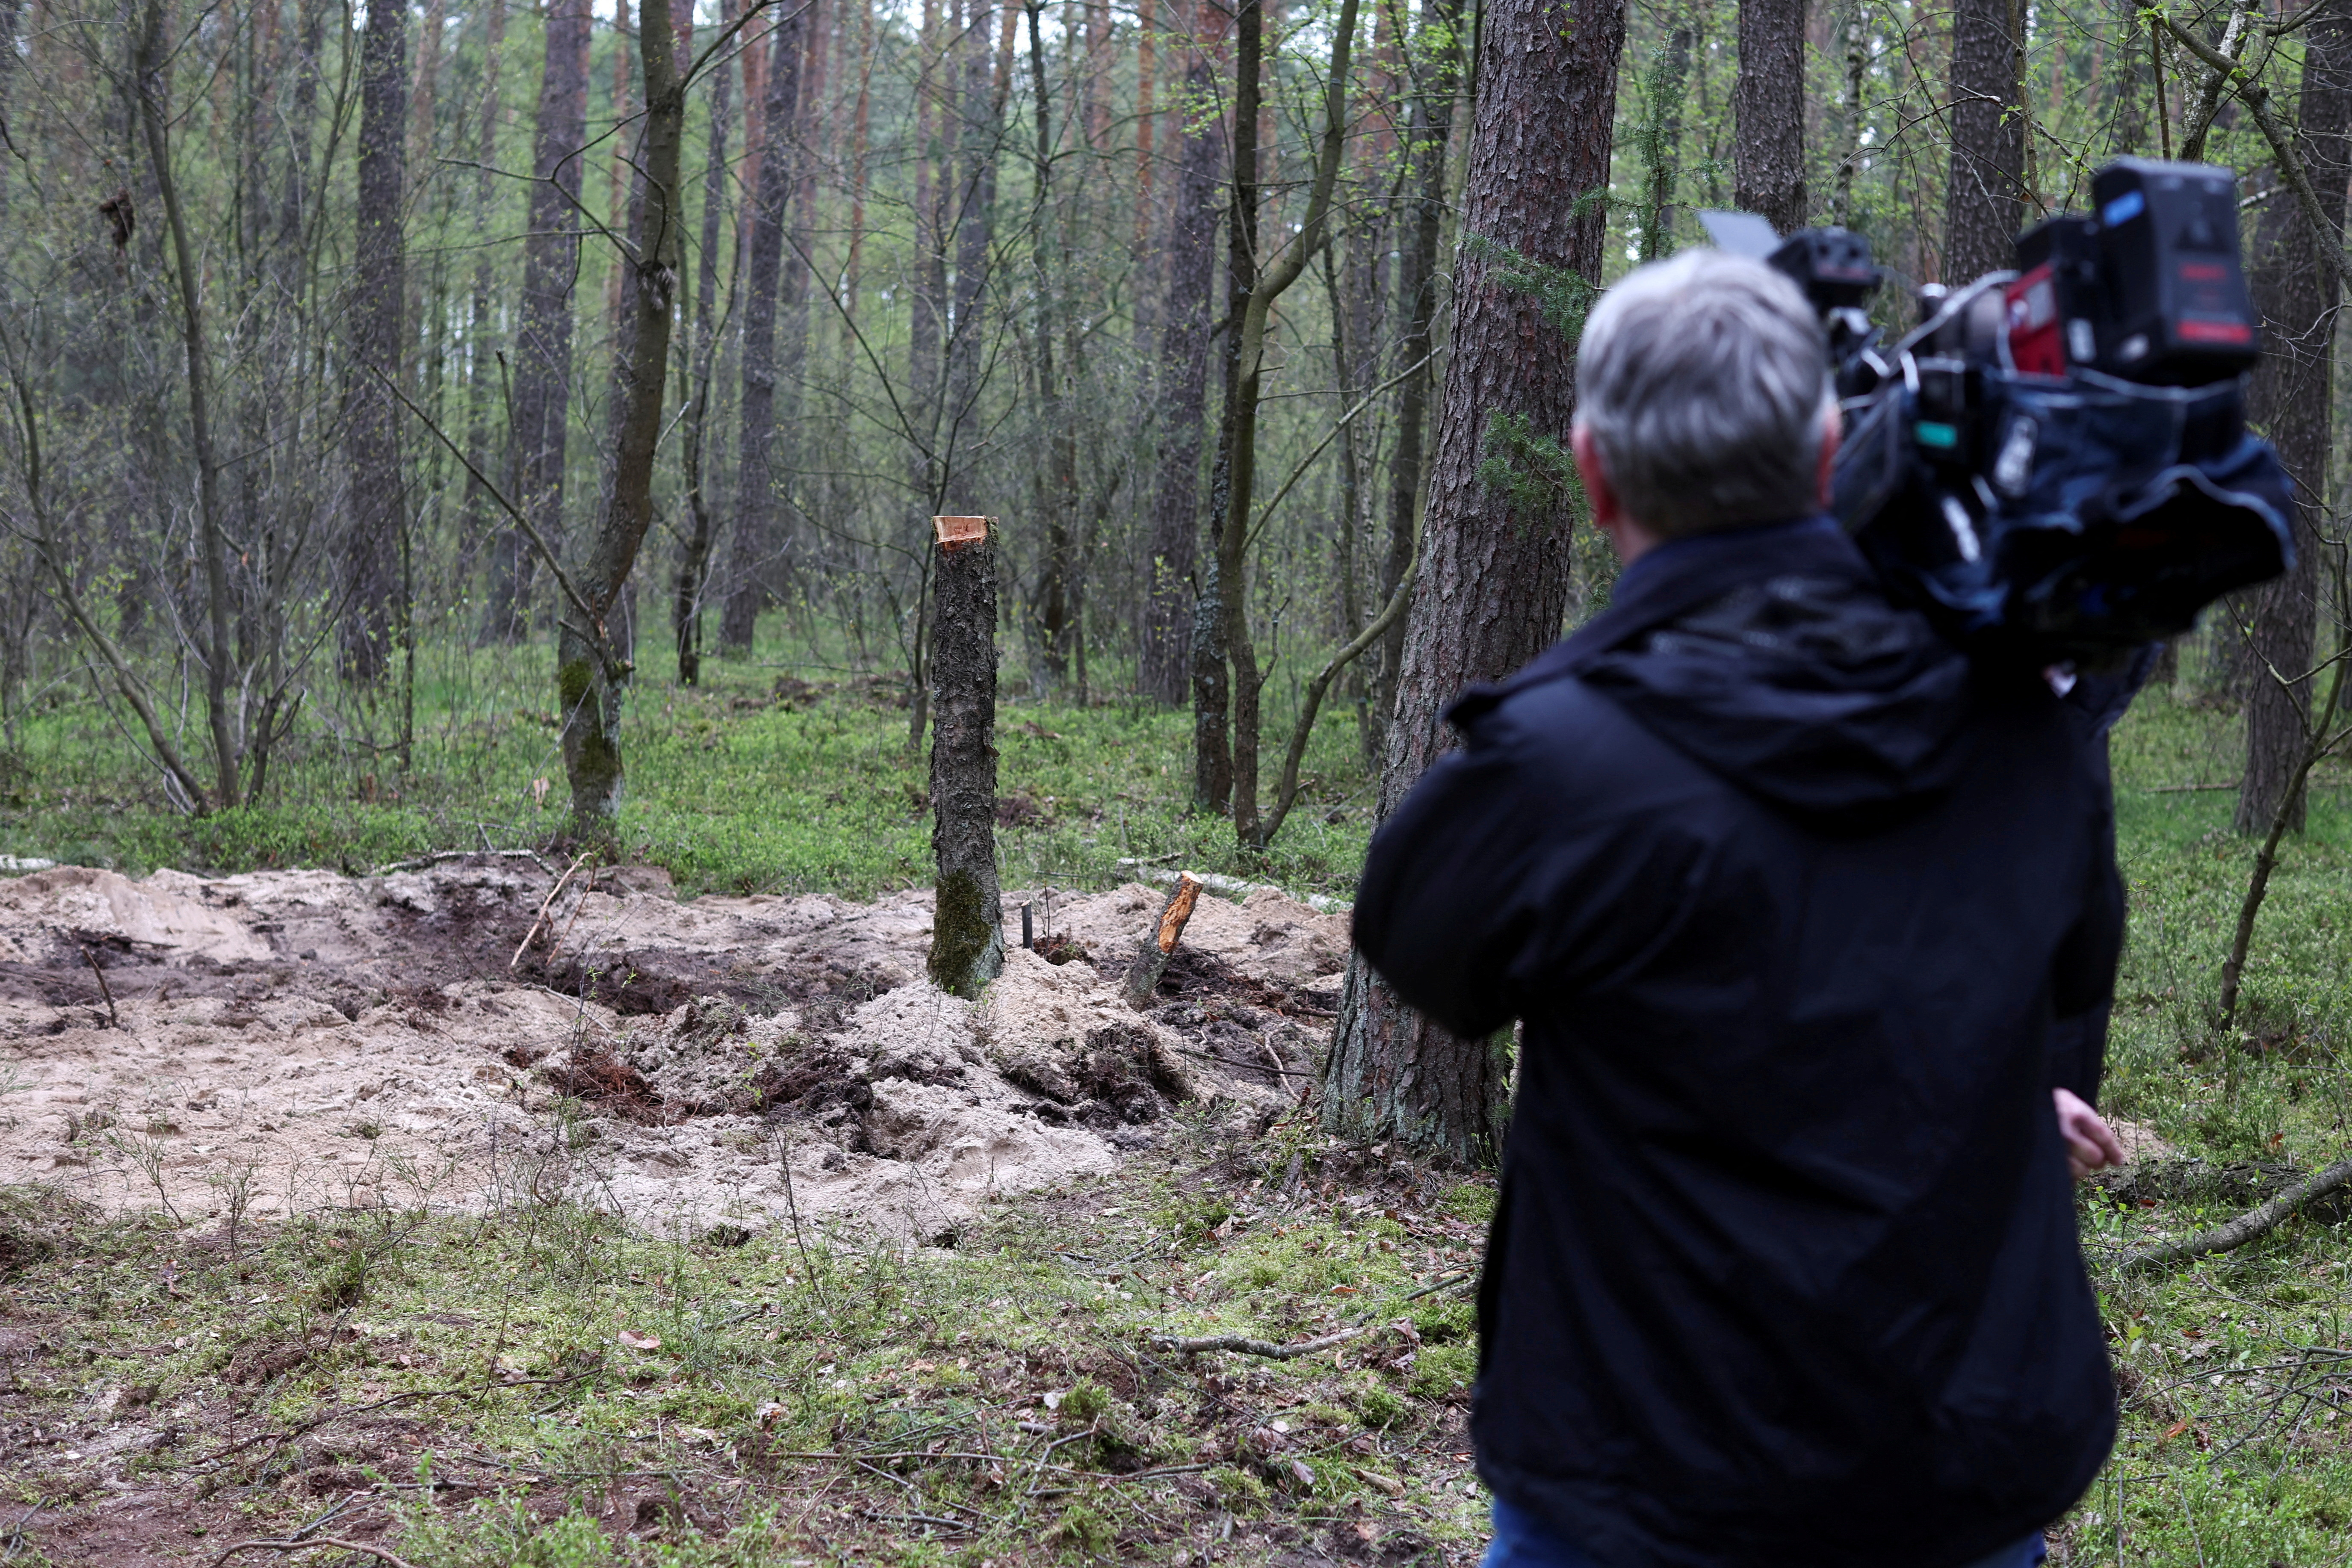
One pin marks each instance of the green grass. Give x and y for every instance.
(731, 786)
(552, 1365)
(2238, 1385)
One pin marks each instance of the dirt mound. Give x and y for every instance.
(488, 1030)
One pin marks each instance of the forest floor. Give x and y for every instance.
(698, 1228)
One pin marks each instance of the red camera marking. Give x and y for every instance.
(2194, 332)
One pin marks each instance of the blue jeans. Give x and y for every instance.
(1523, 1540)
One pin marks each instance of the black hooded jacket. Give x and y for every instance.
(1787, 896)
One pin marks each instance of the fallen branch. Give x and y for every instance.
(380, 1554)
(1266, 1349)
(1234, 887)
(541, 919)
(2236, 1233)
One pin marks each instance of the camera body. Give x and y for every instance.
(2054, 462)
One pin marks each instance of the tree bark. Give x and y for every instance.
(1274, 278)
(1493, 576)
(1213, 755)
(591, 677)
(755, 486)
(543, 347)
(967, 920)
(151, 68)
(372, 550)
(484, 389)
(810, 123)
(987, 75)
(1429, 133)
(1769, 104)
(1167, 630)
(2292, 398)
(1984, 202)
(694, 560)
(1057, 480)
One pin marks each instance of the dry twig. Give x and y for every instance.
(2236, 1233)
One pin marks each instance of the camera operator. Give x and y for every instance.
(1789, 897)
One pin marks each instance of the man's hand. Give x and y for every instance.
(2091, 1144)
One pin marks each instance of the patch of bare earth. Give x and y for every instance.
(477, 1030)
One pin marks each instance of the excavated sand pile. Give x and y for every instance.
(289, 1041)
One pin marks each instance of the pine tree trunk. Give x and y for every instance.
(755, 486)
(981, 97)
(1057, 477)
(811, 124)
(591, 671)
(694, 559)
(1983, 205)
(2292, 399)
(1769, 101)
(484, 388)
(372, 577)
(1430, 135)
(1167, 630)
(151, 68)
(542, 348)
(1494, 579)
(1212, 754)
(967, 919)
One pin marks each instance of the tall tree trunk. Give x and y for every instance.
(1280, 270)
(1438, 59)
(10, 12)
(1167, 641)
(811, 121)
(371, 551)
(151, 68)
(1212, 754)
(1493, 578)
(1984, 201)
(986, 78)
(860, 135)
(1850, 128)
(1146, 83)
(1769, 101)
(755, 484)
(542, 348)
(2292, 398)
(694, 560)
(485, 386)
(1058, 480)
(591, 669)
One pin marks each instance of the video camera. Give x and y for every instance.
(2054, 462)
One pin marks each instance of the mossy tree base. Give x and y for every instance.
(590, 708)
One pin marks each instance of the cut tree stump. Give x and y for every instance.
(1151, 959)
(968, 920)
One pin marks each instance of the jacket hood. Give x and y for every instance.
(1773, 657)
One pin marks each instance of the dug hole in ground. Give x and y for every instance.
(462, 1034)
(491, 1213)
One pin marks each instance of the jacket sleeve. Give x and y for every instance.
(1440, 879)
(1525, 867)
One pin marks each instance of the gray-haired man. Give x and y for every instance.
(1788, 898)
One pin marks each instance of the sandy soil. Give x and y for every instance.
(471, 1033)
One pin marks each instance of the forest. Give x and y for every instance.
(617, 621)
